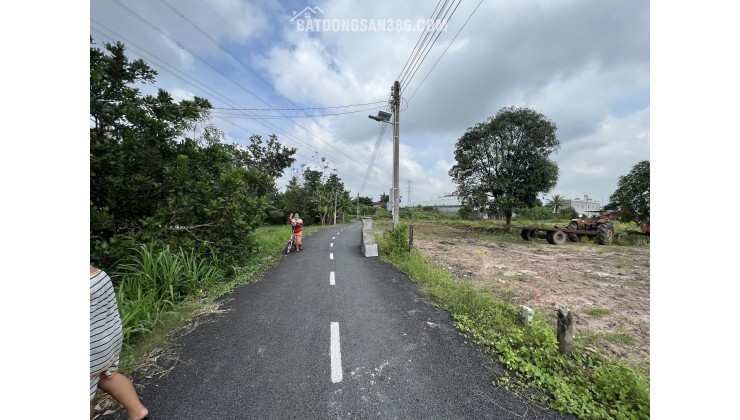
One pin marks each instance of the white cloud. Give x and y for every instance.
(583, 64)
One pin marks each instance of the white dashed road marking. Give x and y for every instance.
(331, 278)
(331, 245)
(331, 255)
(336, 354)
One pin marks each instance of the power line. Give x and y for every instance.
(151, 25)
(268, 117)
(443, 52)
(301, 109)
(374, 156)
(227, 100)
(431, 19)
(257, 76)
(439, 32)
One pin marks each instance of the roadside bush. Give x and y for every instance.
(467, 212)
(567, 213)
(535, 213)
(421, 213)
(394, 242)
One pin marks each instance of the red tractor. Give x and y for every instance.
(599, 228)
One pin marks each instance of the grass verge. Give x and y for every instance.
(581, 383)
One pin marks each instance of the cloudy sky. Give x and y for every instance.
(583, 64)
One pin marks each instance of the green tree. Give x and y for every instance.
(385, 198)
(632, 196)
(319, 195)
(363, 201)
(151, 184)
(555, 203)
(467, 212)
(268, 157)
(506, 159)
(131, 134)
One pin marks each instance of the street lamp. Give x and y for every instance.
(382, 117)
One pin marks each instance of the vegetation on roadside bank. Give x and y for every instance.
(584, 384)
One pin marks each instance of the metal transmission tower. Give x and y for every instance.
(408, 193)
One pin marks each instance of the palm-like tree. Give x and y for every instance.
(556, 202)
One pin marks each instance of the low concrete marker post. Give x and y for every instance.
(565, 330)
(525, 314)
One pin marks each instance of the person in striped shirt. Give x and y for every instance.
(106, 340)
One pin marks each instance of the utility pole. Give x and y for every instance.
(396, 122)
(335, 207)
(358, 206)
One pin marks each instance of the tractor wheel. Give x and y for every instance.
(558, 237)
(529, 235)
(549, 238)
(605, 233)
(573, 237)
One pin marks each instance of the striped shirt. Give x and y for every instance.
(106, 331)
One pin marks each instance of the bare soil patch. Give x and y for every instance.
(606, 287)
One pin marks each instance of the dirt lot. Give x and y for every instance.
(606, 287)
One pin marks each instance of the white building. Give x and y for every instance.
(583, 205)
(448, 204)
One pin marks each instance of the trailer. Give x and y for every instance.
(602, 233)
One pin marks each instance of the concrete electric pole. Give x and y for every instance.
(396, 123)
(385, 117)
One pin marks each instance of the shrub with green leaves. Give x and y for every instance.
(395, 242)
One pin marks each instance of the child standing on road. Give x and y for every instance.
(297, 223)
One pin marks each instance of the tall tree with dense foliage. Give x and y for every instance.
(131, 134)
(507, 160)
(152, 184)
(632, 196)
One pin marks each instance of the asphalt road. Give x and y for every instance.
(331, 334)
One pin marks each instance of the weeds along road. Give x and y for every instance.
(331, 334)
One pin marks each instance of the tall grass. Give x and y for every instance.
(150, 282)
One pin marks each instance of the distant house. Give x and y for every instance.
(583, 205)
(379, 204)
